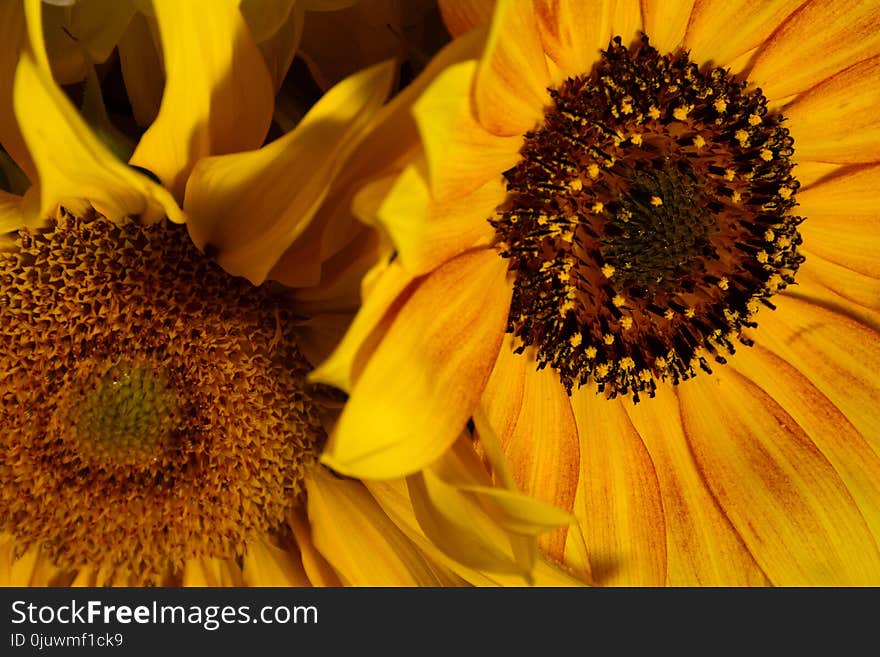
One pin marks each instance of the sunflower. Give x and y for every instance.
(159, 427)
(638, 250)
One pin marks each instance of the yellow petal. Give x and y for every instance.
(10, 212)
(666, 23)
(358, 539)
(242, 204)
(395, 499)
(142, 70)
(510, 88)
(818, 40)
(32, 568)
(777, 489)
(832, 284)
(839, 355)
(423, 380)
(218, 95)
(462, 16)
(843, 220)
(702, 547)
(72, 162)
(384, 286)
(531, 413)
(461, 154)
(618, 503)
(837, 120)
(428, 232)
(268, 565)
(827, 427)
(83, 33)
(266, 17)
(279, 49)
(721, 30)
(13, 37)
(211, 571)
(319, 572)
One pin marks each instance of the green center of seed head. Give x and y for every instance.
(131, 415)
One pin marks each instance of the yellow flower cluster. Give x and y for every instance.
(468, 292)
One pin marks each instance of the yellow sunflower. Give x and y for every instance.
(158, 424)
(639, 248)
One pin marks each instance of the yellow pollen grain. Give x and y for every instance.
(729, 174)
(754, 119)
(575, 339)
(661, 363)
(656, 201)
(626, 107)
(598, 207)
(619, 300)
(785, 193)
(769, 235)
(762, 257)
(720, 105)
(568, 305)
(766, 154)
(576, 185)
(608, 270)
(774, 283)
(627, 364)
(699, 142)
(742, 136)
(669, 315)
(690, 312)
(608, 338)
(564, 276)
(653, 112)
(645, 376)
(783, 241)
(724, 283)
(752, 306)
(593, 170)
(590, 353)
(626, 322)
(736, 197)
(680, 113)
(602, 370)
(636, 139)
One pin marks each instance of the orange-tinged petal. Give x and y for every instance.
(265, 564)
(531, 413)
(831, 283)
(13, 37)
(779, 491)
(142, 70)
(32, 568)
(827, 427)
(72, 162)
(702, 547)
(266, 17)
(837, 120)
(424, 379)
(242, 204)
(462, 16)
(10, 212)
(461, 154)
(619, 504)
(838, 354)
(211, 571)
(572, 32)
(818, 40)
(510, 88)
(356, 536)
(666, 22)
(721, 30)
(626, 20)
(218, 94)
(811, 173)
(279, 49)
(427, 233)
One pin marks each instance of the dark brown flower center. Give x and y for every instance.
(154, 408)
(649, 215)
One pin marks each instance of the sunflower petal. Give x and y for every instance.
(510, 88)
(462, 16)
(70, 160)
(319, 572)
(782, 495)
(702, 547)
(572, 32)
(12, 36)
(618, 502)
(211, 572)
(357, 537)
(267, 565)
(666, 23)
(424, 379)
(709, 35)
(837, 120)
(241, 204)
(827, 34)
(142, 70)
(218, 95)
(279, 49)
(10, 212)
(537, 430)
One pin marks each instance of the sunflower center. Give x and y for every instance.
(154, 408)
(648, 217)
